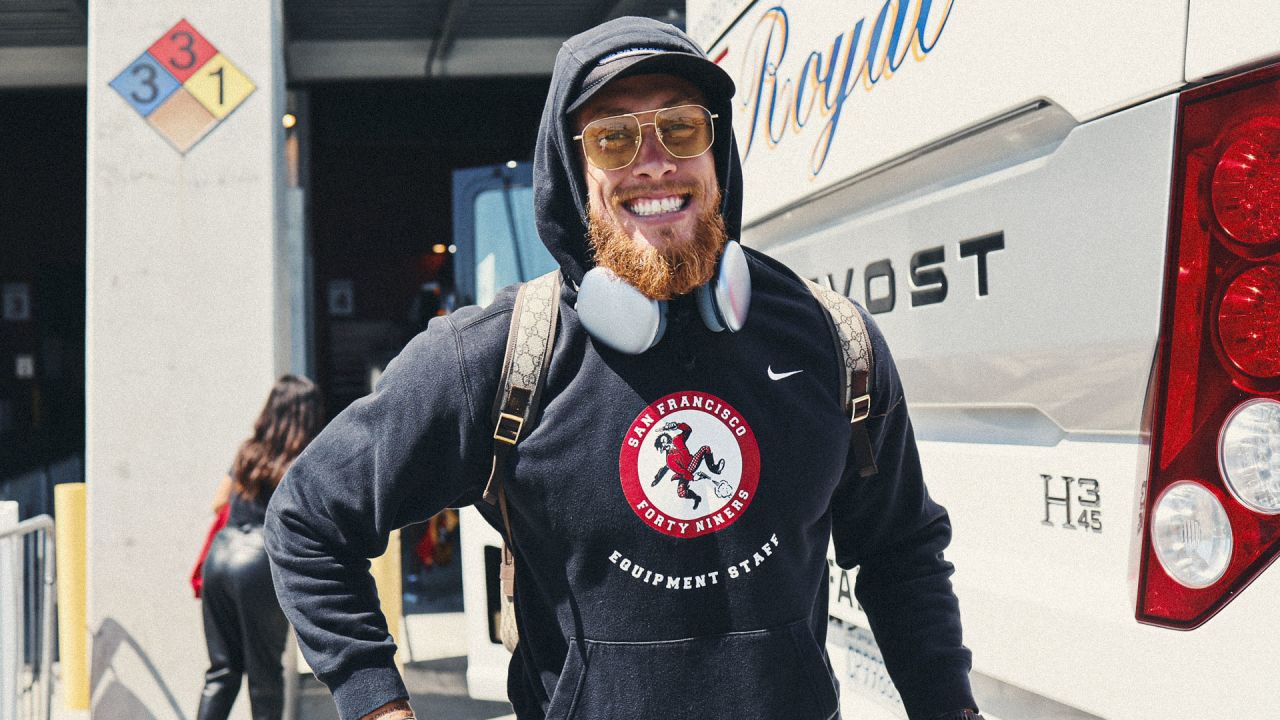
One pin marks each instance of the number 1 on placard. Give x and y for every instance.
(218, 72)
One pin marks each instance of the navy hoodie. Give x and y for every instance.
(671, 510)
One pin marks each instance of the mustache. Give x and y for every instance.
(621, 196)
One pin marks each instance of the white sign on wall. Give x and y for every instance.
(24, 367)
(342, 298)
(16, 301)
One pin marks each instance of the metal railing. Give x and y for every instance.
(27, 597)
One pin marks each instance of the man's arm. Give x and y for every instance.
(889, 527)
(398, 456)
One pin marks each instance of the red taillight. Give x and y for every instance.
(1246, 183)
(1249, 321)
(1219, 349)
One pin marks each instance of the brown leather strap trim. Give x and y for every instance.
(853, 345)
(530, 338)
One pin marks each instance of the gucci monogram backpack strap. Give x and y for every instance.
(530, 340)
(850, 335)
(524, 367)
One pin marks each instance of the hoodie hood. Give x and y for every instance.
(560, 194)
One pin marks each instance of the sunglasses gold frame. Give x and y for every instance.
(582, 137)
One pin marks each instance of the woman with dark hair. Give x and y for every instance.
(244, 627)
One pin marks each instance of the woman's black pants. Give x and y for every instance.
(244, 627)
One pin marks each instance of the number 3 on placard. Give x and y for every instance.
(148, 82)
(189, 49)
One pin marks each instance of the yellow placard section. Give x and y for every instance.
(219, 86)
(73, 624)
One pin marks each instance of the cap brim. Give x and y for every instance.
(709, 77)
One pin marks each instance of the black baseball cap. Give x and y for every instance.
(694, 67)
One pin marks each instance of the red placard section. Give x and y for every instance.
(182, 50)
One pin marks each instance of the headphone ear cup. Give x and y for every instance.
(617, 315)
(723, 302)
(707, 307)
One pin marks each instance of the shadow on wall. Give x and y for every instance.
(114, 647)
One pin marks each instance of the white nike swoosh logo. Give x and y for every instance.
(779, 376)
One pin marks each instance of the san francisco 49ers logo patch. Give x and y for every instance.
(689, 464)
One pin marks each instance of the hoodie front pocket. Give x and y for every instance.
(757, 675)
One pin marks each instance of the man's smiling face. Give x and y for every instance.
(657, 198)
(656, 222)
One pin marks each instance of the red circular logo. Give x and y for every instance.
(689, 464)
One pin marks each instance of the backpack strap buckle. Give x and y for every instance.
(859, 409)
(508, 428)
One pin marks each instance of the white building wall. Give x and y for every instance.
(187, 327)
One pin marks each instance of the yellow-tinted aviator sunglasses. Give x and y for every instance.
(613, 143)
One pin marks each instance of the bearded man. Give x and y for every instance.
(630, 603)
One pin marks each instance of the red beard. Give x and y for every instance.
(676, 269)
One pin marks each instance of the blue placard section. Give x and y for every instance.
(145, 84)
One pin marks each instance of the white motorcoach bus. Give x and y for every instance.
(1065, 217)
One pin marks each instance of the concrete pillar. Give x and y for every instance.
(188, 318)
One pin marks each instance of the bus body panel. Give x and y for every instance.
(826, 91)
(1022, 305)
(1226, 35)
(997, 193)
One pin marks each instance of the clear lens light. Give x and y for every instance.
(1191, 534)
(1249, 455)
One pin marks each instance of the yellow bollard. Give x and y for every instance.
(73, 624)
(386, 574)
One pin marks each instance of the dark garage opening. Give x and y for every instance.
(380, 178)
(42, 294)
(381, 162)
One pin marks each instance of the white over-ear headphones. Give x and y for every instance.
(618, 315)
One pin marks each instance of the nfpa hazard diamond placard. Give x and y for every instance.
(183, 86)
